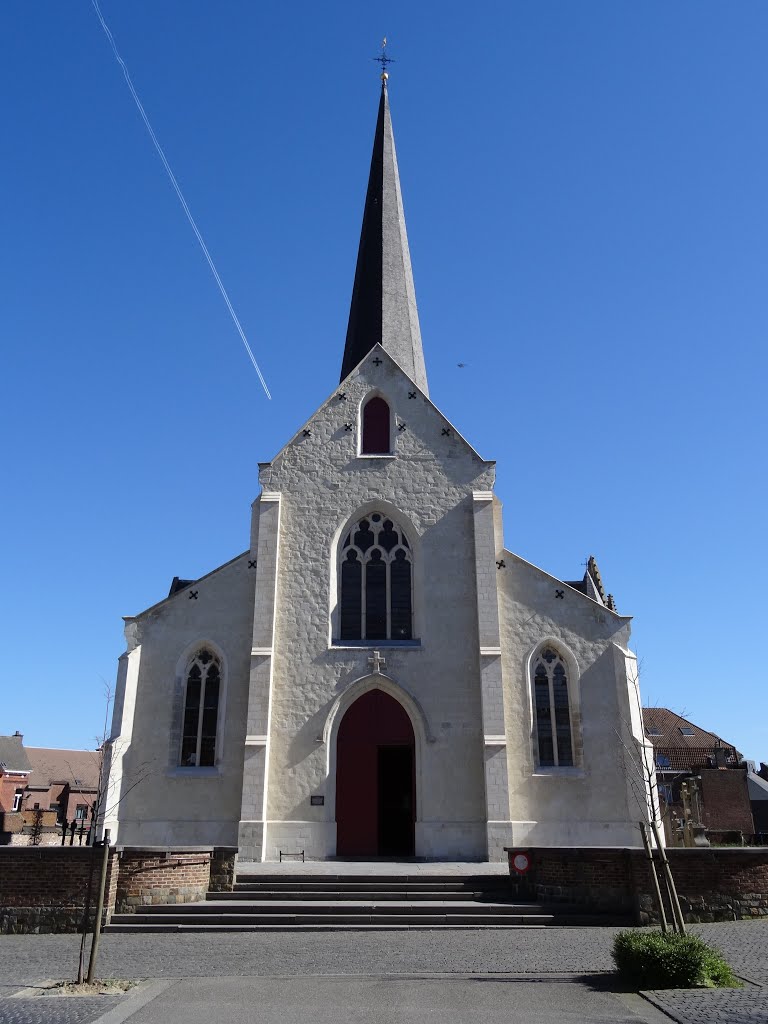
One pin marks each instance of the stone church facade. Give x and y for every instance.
(377, 675)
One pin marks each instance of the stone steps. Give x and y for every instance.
(367, 894)
(361, 902)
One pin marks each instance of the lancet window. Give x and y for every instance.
(201, 710)
(376, 437)
(552, 710)
(376, 582)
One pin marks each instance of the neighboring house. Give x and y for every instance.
(683, 750)
(14, 772)
(66, 781)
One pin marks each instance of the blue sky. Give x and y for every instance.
(585, 192)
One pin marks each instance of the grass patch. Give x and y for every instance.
(650, 960)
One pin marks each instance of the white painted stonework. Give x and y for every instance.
(466, 687)
(482, 615)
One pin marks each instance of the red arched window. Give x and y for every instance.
(375, 427)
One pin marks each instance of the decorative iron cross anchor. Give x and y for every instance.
(383, 59)
(377, 361)
(560, 594)
(377, 663)
(193, 595)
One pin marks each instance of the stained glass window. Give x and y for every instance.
(376, 582)
(552, 710)
(201, 711)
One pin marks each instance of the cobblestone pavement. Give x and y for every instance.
(55, 1009)
(719, 1006)
(26, 959)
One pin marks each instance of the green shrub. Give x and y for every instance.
(659, 960)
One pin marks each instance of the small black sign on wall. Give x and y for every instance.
(317, 801)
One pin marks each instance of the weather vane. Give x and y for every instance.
(383, 59)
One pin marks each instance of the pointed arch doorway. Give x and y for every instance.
(375, 779)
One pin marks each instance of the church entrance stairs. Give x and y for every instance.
(324, 902)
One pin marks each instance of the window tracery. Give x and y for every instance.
(201, 710)
(552, 710)
(376, 581)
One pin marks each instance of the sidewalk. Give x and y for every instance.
(529, 968)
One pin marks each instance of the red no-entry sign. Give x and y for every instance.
(520, 862)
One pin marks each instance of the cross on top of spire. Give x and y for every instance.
(384, 60)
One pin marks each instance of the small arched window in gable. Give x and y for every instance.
(552, 710)
(376, 427)
(201, 710)
(376, 582)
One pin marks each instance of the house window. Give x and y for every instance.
(376, 582)
(17, 798)
(552, 710)
(686, 730)
(376, 427)
(81, 812)
(201, 711)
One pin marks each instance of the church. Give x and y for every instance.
(377, 676)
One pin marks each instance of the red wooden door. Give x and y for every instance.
(374, 721)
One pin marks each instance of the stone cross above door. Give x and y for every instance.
(377, 663)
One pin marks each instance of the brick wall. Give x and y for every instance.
(43, 889)
(725, 800)
(713, 885)
(146, 877)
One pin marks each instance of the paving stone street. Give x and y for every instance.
(540, 953)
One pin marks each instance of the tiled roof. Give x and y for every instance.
(682, 752)
(683, 759)
(13, 757)
(80, 768)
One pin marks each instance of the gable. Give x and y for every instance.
(330, 440)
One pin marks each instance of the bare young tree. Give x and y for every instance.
(636, 756)
(109, 795)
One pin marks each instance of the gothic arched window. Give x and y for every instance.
(552, 710)
(201, 710)
(376, 582)
(376, 438)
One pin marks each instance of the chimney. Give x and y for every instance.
(20, 735)
(721, 755)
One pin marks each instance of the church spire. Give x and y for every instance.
(383, 308)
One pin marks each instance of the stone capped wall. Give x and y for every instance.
(147, 877)
(723, 884)
(44, 889)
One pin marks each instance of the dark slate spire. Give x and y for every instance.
(383, 308)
